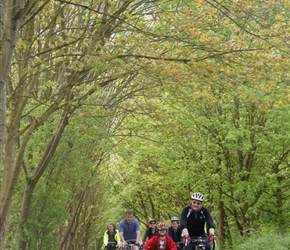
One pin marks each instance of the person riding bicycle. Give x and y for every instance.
(161, 241)
(193, 220)
(112, 235)
(151, 230)
(129, 230)
(174, 231)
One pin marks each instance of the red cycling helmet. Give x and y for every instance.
(162, 226)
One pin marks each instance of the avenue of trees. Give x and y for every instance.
(109, 105)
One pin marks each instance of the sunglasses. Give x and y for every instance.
(196, 202)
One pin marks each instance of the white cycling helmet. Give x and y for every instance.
(197, 196)
(174, 218)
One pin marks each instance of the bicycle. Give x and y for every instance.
(179, 245)
(199, 243)
(129, 246)
(111, 246)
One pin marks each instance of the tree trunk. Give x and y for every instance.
(25, 213)
(31, 184)
(11, 17)
(221, 224)
(69, 232)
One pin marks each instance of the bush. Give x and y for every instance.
(266, 240)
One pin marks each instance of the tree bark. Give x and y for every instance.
(221, 224)
(31, 183)
(11, 18)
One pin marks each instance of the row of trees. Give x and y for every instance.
(110, 105)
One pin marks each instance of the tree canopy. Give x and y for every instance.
(113, 105)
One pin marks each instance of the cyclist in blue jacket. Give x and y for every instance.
(129, 230)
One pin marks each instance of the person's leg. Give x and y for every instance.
(179, 245)
(126, 245)
(134, 247)
(206, 243)
(191, 246)
(207, 246)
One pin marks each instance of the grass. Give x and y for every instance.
(265, 241)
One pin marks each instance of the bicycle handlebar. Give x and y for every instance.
(111, 245)
(200, 240)
(130, 245)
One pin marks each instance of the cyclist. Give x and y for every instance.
(174, 231)
(161, 241)
(129, 230)
(151, 230)
(111, 235)
(193, 220)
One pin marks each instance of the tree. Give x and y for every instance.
(66, 62)
(10, 23)
(223, 101)
(207, 70)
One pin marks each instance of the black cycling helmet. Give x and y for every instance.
(152, 221)
(174, 218)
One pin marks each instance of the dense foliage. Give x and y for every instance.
(116, 105)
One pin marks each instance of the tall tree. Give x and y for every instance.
(12, 16)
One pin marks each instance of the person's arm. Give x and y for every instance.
(183, 221)
(150, 243)
(117, 238)
(172, 244)
(138, 237)
(209, 221)
(106, 238)
(179, 234)
(121, 233)
(138, 234)
(122, 237)
(145, 235)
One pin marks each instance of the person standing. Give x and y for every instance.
(112, 235)
(151, 230)
(193, 220)
(129, 230)
(161, 241)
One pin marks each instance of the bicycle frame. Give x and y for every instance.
(199, 243)
(179, 245)
(111, 246)
(129, 246)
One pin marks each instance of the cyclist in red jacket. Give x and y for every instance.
(161, 241)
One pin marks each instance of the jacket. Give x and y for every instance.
(151, 244)
(148, 234)
(195, 221)
(175, 235)
(116, 237)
